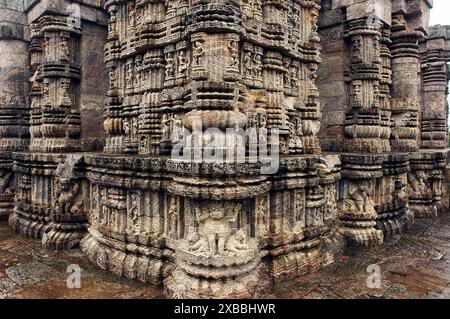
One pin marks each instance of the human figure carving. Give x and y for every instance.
(257, 65)
(359, 199)
(170, 66)
(64, 97)
(134, 211)
(138, 68)
(46, 92)
(418, 183)
(130, 73)
(197, 243)
(182, 62)
(295, 141)
(112, 21)
(68, 200)
(216, 228)
(234, 53)
(198, 53)
(248, 63)
(131, 16)
(173, 219)
(237, 242)
(165, 124)
(177, 130)
(64, 50)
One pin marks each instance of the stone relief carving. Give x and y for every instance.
(215, 228)
(359, 198)
(6, 186)
(252, 64)
(418, 183)
(68, 199)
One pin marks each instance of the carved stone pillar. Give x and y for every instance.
(14, 76)
(373, 201)
(357, 194)
(55, 116)
(435, 54)
(420, 89)
(53, 194)
(434, 57)
(364, 132)
(203, 96)
(405, 81)
(425, 183)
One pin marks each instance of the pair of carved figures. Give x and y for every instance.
(172, 127)
(183, 63)
(252, 64)
(62, 52)
(216, 234)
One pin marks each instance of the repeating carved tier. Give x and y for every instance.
(218, 147)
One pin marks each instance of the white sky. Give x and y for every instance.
(440, 14)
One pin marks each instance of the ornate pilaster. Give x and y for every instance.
(405, 81)
(14, 75)
(357, 193)
(198, 92)
(372, 199)
(55, 118)
(366, 120)
(54, 122)
(53, 194)
(420, 60)
(434, 57)
(425, 183)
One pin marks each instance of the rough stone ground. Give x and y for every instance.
(414, 266)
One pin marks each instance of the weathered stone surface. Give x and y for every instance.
(14, 74)
(179, 143)
(413, 266)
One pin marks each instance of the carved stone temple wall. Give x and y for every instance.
(383, 83)
(218, 147)
(61, 116)
(14, 74)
